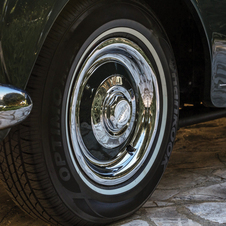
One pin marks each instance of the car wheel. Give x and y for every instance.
(104, 120)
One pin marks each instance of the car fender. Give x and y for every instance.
(211, 14)
(24, 26)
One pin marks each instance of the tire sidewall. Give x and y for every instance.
(67, 181)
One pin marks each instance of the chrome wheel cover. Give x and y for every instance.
(124, 113)
(113, 111)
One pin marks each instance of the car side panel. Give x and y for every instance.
(24, 25)
(212, 13)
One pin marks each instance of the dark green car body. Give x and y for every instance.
(24, 27)
(25, 24)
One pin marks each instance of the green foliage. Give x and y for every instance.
(13, 99)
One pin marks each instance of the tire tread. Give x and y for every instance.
(22, 169)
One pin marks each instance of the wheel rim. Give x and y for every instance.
(114, 112)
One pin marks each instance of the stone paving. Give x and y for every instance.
(191, 192)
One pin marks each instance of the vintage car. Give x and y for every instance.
(90, 99)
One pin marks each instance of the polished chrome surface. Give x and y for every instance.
(15, 106)
(113, 112)
(124, 113)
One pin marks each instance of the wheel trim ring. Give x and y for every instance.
(126, 165)
(129, 186)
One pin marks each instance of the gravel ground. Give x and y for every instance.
(191, 192)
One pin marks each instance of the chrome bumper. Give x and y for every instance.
(15, 106)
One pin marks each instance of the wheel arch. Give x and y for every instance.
(185, 11)
(188, 36)
(195, 48)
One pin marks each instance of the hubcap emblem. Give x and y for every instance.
(121, 115)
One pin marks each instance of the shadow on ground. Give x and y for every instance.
(191, 192)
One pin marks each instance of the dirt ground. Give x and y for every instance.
(191, 192)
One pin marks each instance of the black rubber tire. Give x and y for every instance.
(35, 164)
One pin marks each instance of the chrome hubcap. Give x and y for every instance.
(114, 112)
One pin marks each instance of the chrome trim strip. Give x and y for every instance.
(15, 106)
